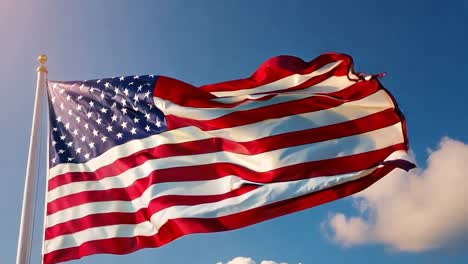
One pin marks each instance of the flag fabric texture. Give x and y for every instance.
(139, 161)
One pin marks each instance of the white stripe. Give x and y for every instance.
(170, 108)
(286, 82)
(330, 85)
(267, 161)
(266, 194)
(348, 111)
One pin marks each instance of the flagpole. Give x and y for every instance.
(25, 232)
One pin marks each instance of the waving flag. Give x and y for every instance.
(139, 161)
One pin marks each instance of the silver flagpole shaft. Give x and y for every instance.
(25, 232)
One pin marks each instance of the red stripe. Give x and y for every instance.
(176, 228)
(280, 67)
(353, 127)
(184, 94)
(311, 104)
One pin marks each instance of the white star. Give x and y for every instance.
(136, 120)
(54, 86)
(124, 103)
(98, 81)
(53, 99)
(91, 103)
(59, 119)
(83, 138)
(62, 91)
(139, 88)
(124, 111)
(75, 132)
(62, 138)
(130, 84)
(61, 151)
(53, 160)
(70, 112)
(78, 107)
(79, 97)
(148, 116)
(158, 123)
(119, 135)
(89, 114)
(114, 118)
(54, 142)
(151, 76)
(86, 126)
(67, 126)
(95, 132)
(133, 131)
(103, 110)
(69, 144)
(136, 77)
(82, 86)
(121, 78)
(147, 94)
(86, 155)
(109, 128)
(107, 85)
(91, 145)
(91, 90)
(103, 139)
(55, 129)
(61, 106)
(78, 150)
(147, 128)
(99, 120)
(124, 125)
(69, 159)
(78, 119)
(135, 98)
(68, 97)
(116, 91)
(126, 91)
(102, 95)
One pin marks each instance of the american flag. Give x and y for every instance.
(139, 161)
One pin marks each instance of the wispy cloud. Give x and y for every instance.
(421, 210)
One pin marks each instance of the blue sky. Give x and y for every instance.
(420, 44)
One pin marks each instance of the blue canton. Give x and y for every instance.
(88, 118)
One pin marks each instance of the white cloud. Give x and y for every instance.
(244, 260)
(271, 262)
(241, 260)
(416, 211)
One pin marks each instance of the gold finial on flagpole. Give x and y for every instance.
(42, 59)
